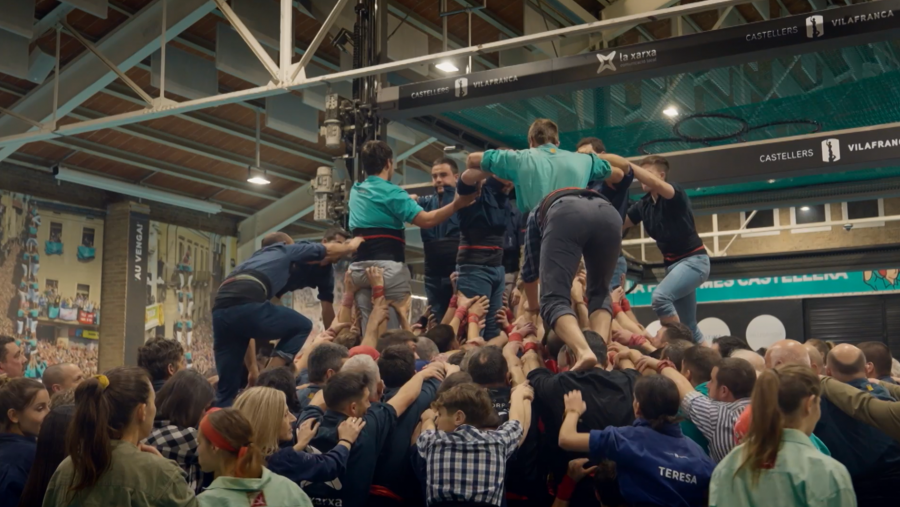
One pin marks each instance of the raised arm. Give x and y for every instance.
(656, 184)
(520, 407)
(569, 438)
(337, 251)
(860, 405)
(428, 219)
(413, 387)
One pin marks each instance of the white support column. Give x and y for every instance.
(286, 51)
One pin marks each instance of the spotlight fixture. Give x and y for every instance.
(771, 181)
(257, 176)
(670, 111)
(804, 208)
(447, 66)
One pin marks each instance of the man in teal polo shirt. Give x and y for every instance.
(567, 221)
(379, 211)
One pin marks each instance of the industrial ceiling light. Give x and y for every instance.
(670, 111)
(255, 173)
(804, 208)
(447, 66)
(771, 181)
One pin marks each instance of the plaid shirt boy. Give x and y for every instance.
(468, 465)
(179, 445)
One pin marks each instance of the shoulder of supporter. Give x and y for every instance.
(306, 251)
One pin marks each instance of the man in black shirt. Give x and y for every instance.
(666, 213)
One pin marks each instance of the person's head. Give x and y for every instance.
(674, 351)
(657, 165)
(822, 346)
(60, 377)
(12, 359)
(455, 379)
(443, 336)
(267, 411)
(464, 404)
(396, 337)
(348, 338)
(324, 361)
(226, 445)
(488, 367)
(785, 397)
(283, 380)
(118, 405)
(878, 359)
(671, 331)
(698, 363)
(443, 173)
(335, 235)
(396, 365)
(23, 405)
(606, 485)
(273, 238)
(348, 393)
(846, 362)
(161, 357)
(598, 347)
(426, 349)
(51, 450)
(816, 359)
(656, 400)
(725, 345)
(541, 132)
(590, 145)
(786, 352)
(377, 159)
(184, 399)
(366, 364)
(755, 360)
(457, 359)
(732, 379)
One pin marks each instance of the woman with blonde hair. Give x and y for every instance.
(227, 449)
(777, 464)
(268, 413)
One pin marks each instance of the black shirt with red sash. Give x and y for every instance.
(671, 223)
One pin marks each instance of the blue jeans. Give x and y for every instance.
(621, 269)
(234, 327)
(439, 290)
(475, 280)
(676, 294)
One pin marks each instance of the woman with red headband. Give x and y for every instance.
(227, 450)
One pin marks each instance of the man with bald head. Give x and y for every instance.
(816, 360)
(60, 377)
(755, 360)
(871, 456)
(243, 309)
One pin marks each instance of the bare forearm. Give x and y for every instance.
(684, 387)
(569, 438)
(656, 184)
(250, 357)
(531, 361)
(514, 364)
(531, 293)
(584, 319)
(327, 314)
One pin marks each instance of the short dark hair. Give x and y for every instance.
(426, 349)
(655, 160)
(543, 131)
(282, 379)
(5, 340)
(597, 345)
(394, 337)
(184, 399)
(442, 335)
(878, 354)
(333, 232)
(326, 356)
(345, 387)
(487, 366)
(454, 167)
(728, 344)
(700, 361)
(375, 156)
(678, 331)
(453, 380)
(738, 375)
(472, 400)
(658, 398)
(822, 346)
(853, 368)
(157, 354)
(457, 359)
(596, 144)
(397, 364)
(273, 238)
(674, 351)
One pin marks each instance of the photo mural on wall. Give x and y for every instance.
(50, 281)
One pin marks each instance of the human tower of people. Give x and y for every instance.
(522, 387)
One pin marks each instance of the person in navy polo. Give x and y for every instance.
(656, 464)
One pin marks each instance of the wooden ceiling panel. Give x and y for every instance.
(45, 151)
(195, 189)
(240, 199)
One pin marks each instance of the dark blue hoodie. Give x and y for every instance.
(16, 457)
(440, 242)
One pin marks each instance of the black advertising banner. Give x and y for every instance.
(805, 33)
(824, 152)
(136, 288)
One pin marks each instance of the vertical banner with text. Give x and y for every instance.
(136, 288)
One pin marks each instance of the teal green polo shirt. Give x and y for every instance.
(538, 171)
(378, 203)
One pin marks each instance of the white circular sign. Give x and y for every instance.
(653, 327)
(764, 330)
(712, 327)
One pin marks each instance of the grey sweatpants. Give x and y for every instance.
(396, 288)
(578, 226)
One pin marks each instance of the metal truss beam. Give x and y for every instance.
(277, 215)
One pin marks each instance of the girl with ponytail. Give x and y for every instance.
(106, 463)
(777, 464)
(656, 464)
(228, 450)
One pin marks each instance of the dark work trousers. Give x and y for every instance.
(577, 226)
(233, 328)
(438, 290)
(475, 280)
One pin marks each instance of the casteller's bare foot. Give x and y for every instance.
(587, 361)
